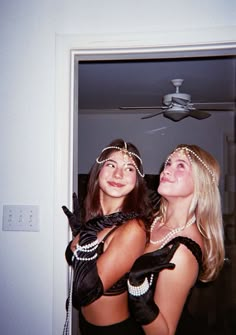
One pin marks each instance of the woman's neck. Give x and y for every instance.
(176, 216)
(110, 206)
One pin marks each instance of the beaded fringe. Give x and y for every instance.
(67, 330)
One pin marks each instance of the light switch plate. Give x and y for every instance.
(20, 218)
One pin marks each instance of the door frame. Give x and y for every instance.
(70, 49)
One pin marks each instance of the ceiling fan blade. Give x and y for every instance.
(215, 106)
(151, 115)
(139, 107)
(198, 114)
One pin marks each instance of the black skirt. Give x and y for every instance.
(126, 327)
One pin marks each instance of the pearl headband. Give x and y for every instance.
(187, 151)
(127, 154)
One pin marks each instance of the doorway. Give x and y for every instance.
(78, 56)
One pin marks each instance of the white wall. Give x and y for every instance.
(35, 39)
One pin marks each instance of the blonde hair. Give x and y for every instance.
(206, 205)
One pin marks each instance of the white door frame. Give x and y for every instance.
(70, 48)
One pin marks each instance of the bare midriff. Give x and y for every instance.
(107, 310)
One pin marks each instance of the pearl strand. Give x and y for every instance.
(126, 153)
(173, 232)
(86, 248)
(141, 289)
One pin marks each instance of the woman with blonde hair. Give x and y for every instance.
(186, 243)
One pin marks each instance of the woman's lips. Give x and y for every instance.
(112, 183)
(165, 180)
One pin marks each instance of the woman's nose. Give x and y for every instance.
(166, 170)
(118, 173)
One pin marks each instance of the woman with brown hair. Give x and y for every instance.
(117, 214)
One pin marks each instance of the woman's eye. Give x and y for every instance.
(181, 165)
(109, 164)
(167, 163)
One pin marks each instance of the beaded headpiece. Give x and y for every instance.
(186, 151)
(126, 155)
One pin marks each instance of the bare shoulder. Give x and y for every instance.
(185, 263)
(134, 226)
(130, 233)
(131, 236)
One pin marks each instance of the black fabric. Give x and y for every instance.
(143, 308)
(87, 285)
(191, 245)
(126, 327)
(69, 254)
(97, 224)
(188, 324)
(74, 218)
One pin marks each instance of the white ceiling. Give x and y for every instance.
(104, 85)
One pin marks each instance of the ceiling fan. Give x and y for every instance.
(177, 106)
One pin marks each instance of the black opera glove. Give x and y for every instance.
(69, 255)
(74, 218)
(93, 226)
(142, 283)
(87, 285)
(98, 223)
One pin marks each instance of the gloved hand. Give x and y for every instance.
(74, 218)
(142, 282)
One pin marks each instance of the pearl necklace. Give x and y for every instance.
(167, 238)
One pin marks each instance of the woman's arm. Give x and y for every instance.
(92, 275)
(172, 289)
(125, 245)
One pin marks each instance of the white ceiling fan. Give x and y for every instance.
(177, 106)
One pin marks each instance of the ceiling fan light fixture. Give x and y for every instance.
(175, 115)
(177, 108)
